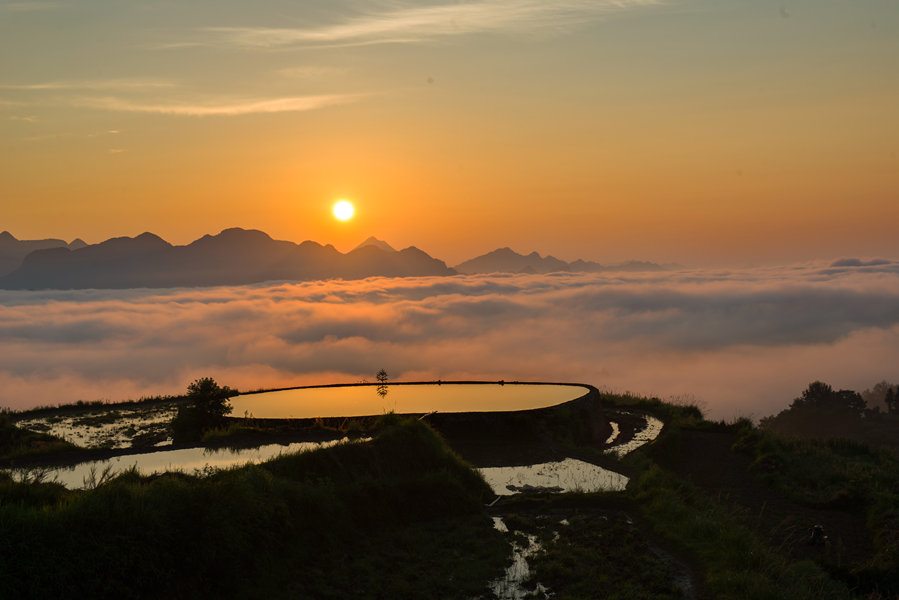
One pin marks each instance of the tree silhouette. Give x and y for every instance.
(206, 409)
(209, 397)
(892, 400)
(382, 383)
(821, 396)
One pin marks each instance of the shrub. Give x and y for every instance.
(207, 408)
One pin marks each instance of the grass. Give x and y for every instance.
(17, 443)
(737, 563)
(839, 474)
(596, 556)
(401, 516)
(82, 406)
(728, 551)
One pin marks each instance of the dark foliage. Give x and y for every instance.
(821, 396)
(206, 409)
(16, 442)
(398, 517)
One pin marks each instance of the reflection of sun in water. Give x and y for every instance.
(343, 210)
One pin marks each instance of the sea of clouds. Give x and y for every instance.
(737, 342)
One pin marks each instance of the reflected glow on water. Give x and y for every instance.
(650, 431)
(563, 476)
(186, 460)
(350, 401)
(615, 431)
(107, 427)
(510, 586)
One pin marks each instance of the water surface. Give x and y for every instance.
(568, 475)
(185, 460)
(361, 400)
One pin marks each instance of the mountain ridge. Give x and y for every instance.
(13, 251)
(237, 256)
(506, 260)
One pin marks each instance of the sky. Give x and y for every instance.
(710, 133)
(736, 342)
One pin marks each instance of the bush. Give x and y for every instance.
(207, 408)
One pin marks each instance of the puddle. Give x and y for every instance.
(615, 431)
(648, 433)
(186, 460)
(569, 475)
(510, 586)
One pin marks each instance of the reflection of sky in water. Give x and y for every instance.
(89, 431)
(509, 586)
(364, 400)
(650, 431)
(615, 431)
(569, 475)
(566, 475)
(186, 460)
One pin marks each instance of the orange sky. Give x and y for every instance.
(689, 131)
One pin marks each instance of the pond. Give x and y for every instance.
(403, 398)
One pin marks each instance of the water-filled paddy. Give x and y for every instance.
(186, 460)
(560, 476)
(650, 431)
(360, 400)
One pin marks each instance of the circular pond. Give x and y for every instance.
(370, 399)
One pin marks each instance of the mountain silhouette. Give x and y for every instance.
(506, 260)
(13, 251)
(233, 257)
(373, 241)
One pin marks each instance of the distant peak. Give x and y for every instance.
(240, 231)
(505, 251)
(380, 244)
(233, 236)
(8, 236)
(76, 244)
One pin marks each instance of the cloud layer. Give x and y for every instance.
(739, 342)
(420, 23)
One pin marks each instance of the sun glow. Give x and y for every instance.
(343, 210)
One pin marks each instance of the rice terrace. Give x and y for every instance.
(601, 495)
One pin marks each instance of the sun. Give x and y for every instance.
(343, 210)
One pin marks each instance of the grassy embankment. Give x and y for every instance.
(16, 442)
(400, 517)
(732, 550)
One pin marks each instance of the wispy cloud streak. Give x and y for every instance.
(221, 108)
(418, 23)
(104, 85)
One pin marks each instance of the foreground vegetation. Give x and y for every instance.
(400, 517)
(735, 548)
(713, 510)
(16, 442)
